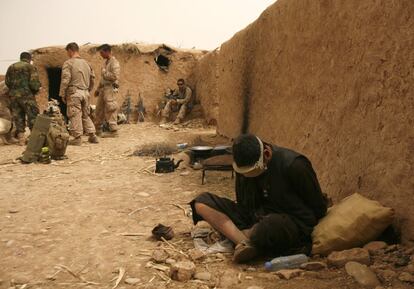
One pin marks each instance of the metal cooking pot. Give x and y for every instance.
(200, 153)
(221, 150)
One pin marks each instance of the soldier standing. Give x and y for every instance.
(181, 98)
(77, 81)
(23, 83)
(106, 105)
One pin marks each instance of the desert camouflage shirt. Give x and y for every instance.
(22, 79)
(110, 72)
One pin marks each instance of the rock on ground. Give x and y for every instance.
(340, 258)
(375, 247)
(289, 273)
(362, 274)
(313, 266)
(204, 276)
(196, 254)
(160, 256)
(182, 271)
(406, 277)
(132, 281)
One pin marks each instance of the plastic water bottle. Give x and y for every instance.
(286, 262)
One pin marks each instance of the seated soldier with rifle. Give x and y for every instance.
(179, 101)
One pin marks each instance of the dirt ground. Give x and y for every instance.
(73, 214)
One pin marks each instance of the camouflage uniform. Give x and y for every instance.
(183, 97)
(77, 81)
(5, 115)
(106, 105)
(23, 83)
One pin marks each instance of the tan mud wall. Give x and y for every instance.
(335, 81)
(139, 73)
(204, 80)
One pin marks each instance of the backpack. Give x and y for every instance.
(57, 140)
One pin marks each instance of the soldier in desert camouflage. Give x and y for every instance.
(77, 81)
(106, 105)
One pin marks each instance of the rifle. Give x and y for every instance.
(126, 106)
(141, 109)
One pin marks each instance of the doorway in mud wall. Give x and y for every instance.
(54, 75)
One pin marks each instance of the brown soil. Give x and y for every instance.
(333, 80)
(73, 213)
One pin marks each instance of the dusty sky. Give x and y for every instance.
(204, 24)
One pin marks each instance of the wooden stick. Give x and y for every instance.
(76, 275)
(174, 248)
(180, 207)
(120, 276)
(133, 234)
(139, 209)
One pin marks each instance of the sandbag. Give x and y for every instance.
(353, 222)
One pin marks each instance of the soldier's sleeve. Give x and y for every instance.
(65, 80)
(8, 78)
(34, 83)
(91, 80)
(187, 96)
(113, 73)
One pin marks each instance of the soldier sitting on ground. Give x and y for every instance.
(180, 101)
(23, 83)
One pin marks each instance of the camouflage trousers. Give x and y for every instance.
(22, 108)
(107, 109)
(78, 111)
(170, 107)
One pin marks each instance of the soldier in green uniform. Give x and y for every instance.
(23, 83)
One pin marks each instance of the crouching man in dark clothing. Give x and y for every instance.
(278, 202)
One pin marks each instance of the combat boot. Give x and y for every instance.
(75, 142)
(93, 138)
(21, 139)
(110, 134)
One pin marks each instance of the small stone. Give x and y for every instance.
(182, 271)
(288, 273)
(170, 261)
(220, 256)
(362, 274)
(339, 259)
(142, 194)
(313, 266)
(13, 211)
(160, 256)
(375, 247)
(196, 254)
(132, 281)
(248, 277)
(410, 268)
(406, 277)
(185, 173)
(204, 276)
(386, 275)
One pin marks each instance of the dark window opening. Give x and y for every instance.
(163, 62)
(54, 75)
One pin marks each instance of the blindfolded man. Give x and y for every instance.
(278, 202)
